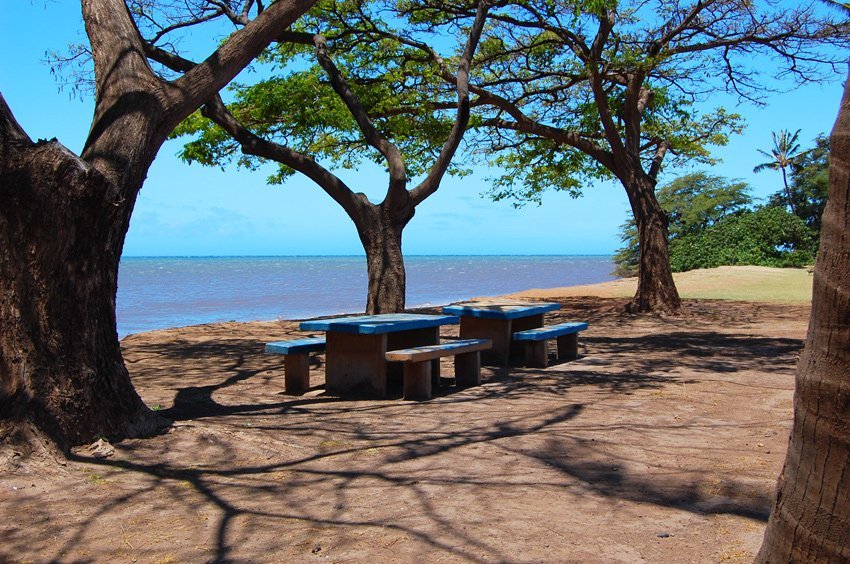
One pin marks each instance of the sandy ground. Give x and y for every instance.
(661, 443)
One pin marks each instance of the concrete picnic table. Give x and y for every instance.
(498, 320)
(357, 345)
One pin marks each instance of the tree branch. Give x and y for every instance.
(201, 82)
(395, 161)
(430, 184)
(252, 144)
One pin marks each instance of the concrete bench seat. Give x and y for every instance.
(417, 364)
(296, 361)
(535, 342)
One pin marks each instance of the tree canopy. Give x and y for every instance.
(298, 106)
(341, 101)
(570, 92)
(807, 192)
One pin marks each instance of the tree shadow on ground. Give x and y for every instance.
(260, 461)
(230, 488)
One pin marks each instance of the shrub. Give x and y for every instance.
(768, 236)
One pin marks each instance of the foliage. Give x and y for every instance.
(571, 92)
(296, 105)
(785, 150)
(809, 185)
(697, 201)
(693, 203)
(711, 225)
(763, 237)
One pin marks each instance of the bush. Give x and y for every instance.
(762, 237)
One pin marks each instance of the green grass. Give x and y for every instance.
(755, 284)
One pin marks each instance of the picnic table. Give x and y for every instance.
(498, 321)
(355, 357)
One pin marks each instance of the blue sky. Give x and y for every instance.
(194, 211)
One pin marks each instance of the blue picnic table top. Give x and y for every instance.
(488, 310)
(378, 324)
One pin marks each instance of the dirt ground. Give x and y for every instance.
(661, 443)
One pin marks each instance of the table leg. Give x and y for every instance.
(536, 355)
(356, 363)
(497, 330)
(568, 346)
(517, 353)
(468, 369)
(417, 380)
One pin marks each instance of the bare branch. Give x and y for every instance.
(430, 184)
(398, 172)
(208, 77)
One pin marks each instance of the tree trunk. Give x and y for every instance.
(63, 220)
(61, 234)
(788, 192)
(810, 521)
(656, 291)
(380, 234)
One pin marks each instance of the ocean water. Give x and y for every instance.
(156, 293)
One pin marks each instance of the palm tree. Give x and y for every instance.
(785, 150)
(809, 520)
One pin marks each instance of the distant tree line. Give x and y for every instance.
(714, 221)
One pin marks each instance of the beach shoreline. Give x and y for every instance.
(736, 283)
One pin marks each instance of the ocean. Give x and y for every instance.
(157, 293)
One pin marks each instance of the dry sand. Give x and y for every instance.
(661, 443)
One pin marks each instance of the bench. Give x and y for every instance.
(417, 365)
(535, 342)
(296, 361)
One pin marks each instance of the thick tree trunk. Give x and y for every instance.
(381, 235)
(61, 233)
(810, 521)
(63, 220)
(656, 291)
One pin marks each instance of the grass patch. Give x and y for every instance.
(741, 283)
(747, 283)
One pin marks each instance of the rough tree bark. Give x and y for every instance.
(63, 220)
(656, 290)
(61, 224)
(380, 232)
(810, 521)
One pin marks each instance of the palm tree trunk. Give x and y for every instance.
(788, 192)
(810, 521)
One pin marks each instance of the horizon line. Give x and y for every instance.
(364, 256)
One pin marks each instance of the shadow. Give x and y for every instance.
(699, 494)
(706, 351)
(246, 472)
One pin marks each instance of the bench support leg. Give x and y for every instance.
(296, 373)
(468, 369)
(568, 346)
(535, 354)
(417, 380)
